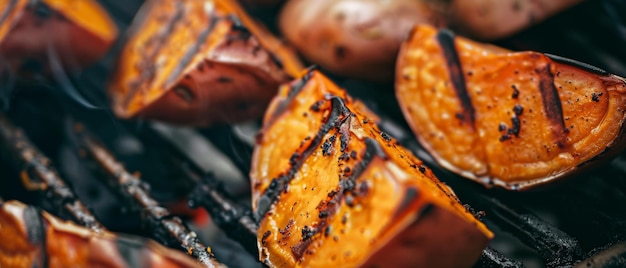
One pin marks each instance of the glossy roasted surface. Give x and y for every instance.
(336, 191)
(197, 63)
(513, 119)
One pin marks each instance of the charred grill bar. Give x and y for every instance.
(37, 174)
(167, 229)
(233, 218)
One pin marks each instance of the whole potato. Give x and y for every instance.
(492, 19)
(355, 38)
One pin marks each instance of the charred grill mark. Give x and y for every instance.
(346, 189)
(551, 101)
(7, 11)
(147, 63)
(295, 88)
(192, 51)
(36, 231)
(578, 64)
(280, 184)
(455, 71)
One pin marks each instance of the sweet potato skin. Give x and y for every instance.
(212, 65)
(32, 238)
(355, 38)
(385, 201)
(515, 119)
(78, 32)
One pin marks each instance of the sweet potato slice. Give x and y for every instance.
(331, 190)
(198, 62)
(511, 119)
(34, 238)
(78, 31)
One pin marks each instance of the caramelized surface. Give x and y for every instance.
(197, 63)
(79, 32)
(32, 238)
(513, 119)
(331, 190)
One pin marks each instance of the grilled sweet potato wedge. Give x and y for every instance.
(513, 119)
(78, 31)
(331, 190)
(198, 62)
(34, 238)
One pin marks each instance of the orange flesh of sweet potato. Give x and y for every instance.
(79, 31)
(513, 119)
(32, 238)
(331, 190)
(197, 63)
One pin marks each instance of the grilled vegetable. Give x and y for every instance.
(493, 19)
(79, 32)
(197, 63)
(357, 38)
(513, 119)
(337, 192)
(33, 238)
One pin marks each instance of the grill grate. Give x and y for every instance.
(574, 223)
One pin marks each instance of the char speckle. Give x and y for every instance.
(286, 232)
(504, 137)
(501, 127)
(265, 236)
(316, 106)
(353, 155)
(515, 126)
(385, 136)
(422, 168)
(518, 109)
(596, 96)
(323, 214)
(350, 201)
(515, 93)
(307, 232)
(327, 230)
(327, 146)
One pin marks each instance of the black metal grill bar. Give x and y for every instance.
(491, 258)
(37, 174)
(167, 229)
(234, 219)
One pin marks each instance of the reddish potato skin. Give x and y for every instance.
(354, 38)
(30, 31)
(494, 19)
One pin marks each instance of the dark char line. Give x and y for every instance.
(551, 101)
(280, 184)
(446, 41)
